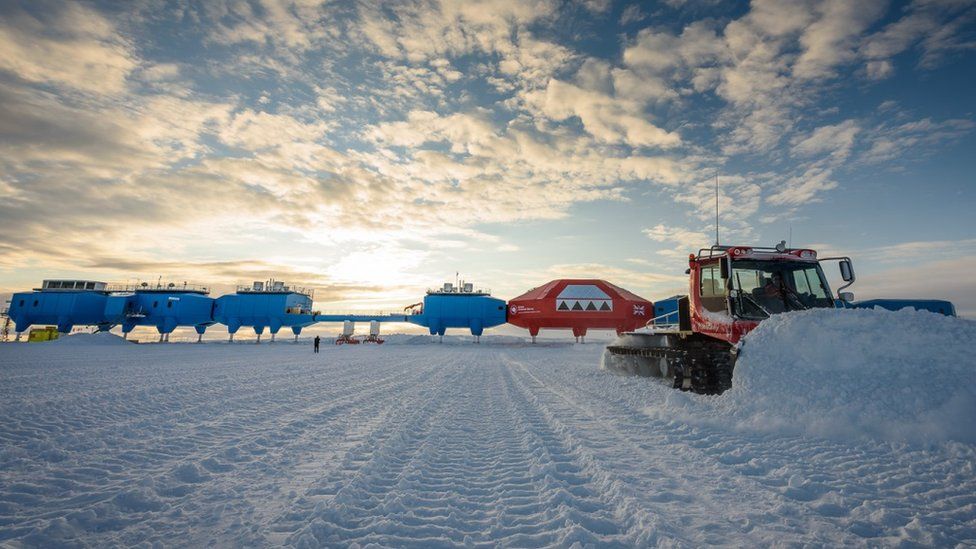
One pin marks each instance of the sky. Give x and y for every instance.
(374, 149)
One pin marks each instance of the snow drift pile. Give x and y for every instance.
(99, 338)
(902, 376)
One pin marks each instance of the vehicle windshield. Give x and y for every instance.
(764, 288)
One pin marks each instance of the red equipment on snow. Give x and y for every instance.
(731, 290)
(579, 305)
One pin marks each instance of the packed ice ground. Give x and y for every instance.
(503, 443)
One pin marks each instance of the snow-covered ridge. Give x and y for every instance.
(903, 376)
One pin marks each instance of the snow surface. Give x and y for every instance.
(905, 376)
(430, 445)
(82, 338)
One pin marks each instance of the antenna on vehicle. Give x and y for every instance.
(716, 208)
(791, 236)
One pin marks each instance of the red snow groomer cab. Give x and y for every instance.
(579, 305)
(731, 290)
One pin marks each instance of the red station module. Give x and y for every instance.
(579, 304)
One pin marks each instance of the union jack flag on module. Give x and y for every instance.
(638, 310)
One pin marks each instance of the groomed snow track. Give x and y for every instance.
(427, 446)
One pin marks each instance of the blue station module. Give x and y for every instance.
(459, 307)
(64, 303)
(164, 307)
(270, 305)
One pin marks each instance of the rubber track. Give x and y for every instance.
(709, 364)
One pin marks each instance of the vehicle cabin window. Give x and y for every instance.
(807, 282)
(767, 288)
(90, 286)
(747, 280)
(712, 289)
(54, 284)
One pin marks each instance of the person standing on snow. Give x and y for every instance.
(316, 343)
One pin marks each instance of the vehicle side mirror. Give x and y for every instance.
(846, 270)
(724, 268)
(847, 297)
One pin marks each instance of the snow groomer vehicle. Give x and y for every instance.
(732, 289)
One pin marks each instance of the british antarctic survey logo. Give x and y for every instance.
(638, 310)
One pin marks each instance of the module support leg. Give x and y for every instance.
(231, 338)
(440, 339)
(161, 338)
(199, 338)
(296, 338)
(533, 340)
(259, 339)
(17, 338)
(272, 338)
(582, 340)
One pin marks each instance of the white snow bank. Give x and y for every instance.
(904, 376)
(99, 338)
(410, 339)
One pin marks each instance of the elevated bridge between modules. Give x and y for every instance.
(360, 317)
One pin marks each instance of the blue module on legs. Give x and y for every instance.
(162, 307)
(270, 305)
(461, 307)
(65, 303)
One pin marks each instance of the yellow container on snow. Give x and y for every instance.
(47, 333)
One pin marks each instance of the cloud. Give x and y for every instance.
(41, 129)
(836, 140)
(676, 235)
(804, 188)
(933, 27)
(609, 120)
(427, 30)
(631, 14)
(913, 140)
(680, 241)
(296, 25)
(456, 163)
(74, 46)
(255, 130)
(831, 40)
(927, 280)
(660, 51)
(912, 251)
